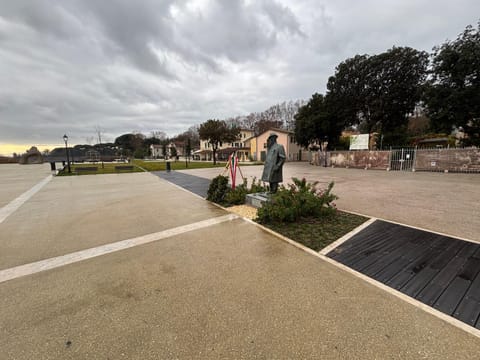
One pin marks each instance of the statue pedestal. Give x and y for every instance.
(257, 199)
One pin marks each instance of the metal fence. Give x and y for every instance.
(466, 160)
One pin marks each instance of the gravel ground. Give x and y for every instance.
(246, 211)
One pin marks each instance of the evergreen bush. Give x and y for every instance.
(218, 189)
(221, 193)
(298, 200)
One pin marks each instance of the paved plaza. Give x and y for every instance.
(131, 266)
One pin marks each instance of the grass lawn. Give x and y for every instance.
(108, 168)
(318, 233)
(176, 165)
(138, 166)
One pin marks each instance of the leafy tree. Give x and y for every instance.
(346, 90)
(377, 93)
(216, 132)
(452, 95)
(139, 153)
(314, 123)
(130, 142)
(151, 141)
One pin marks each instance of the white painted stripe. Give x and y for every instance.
(451, 320)
(415, 227)
(13, 205)
(431, 231)
(345, 237)
(47, 264)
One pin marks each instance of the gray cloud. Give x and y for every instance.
(72, 65)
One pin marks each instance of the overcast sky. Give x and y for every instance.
(70, 66)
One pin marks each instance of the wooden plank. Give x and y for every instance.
(375, 234)
(381, 242)
(470, 269)
(440, 271)
(374, 254)
(417, 265)
(468, 311)
(469, 308)
(452, 295)
(477, 254)
(403, 263)
(391, 259)
(397, 238)
(425, 275)
(439, 283)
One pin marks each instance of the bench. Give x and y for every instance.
(123, 167)
(86, 168)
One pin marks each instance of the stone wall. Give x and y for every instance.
(361, 159)
(455, 160)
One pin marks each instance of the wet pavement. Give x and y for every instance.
(227, 289)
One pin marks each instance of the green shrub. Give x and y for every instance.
(221, 193)
(237, 196)
(256, 187)
(298, 200)
(218, 189)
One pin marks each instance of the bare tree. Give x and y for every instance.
(99, 132)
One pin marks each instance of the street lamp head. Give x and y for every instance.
(65, 138)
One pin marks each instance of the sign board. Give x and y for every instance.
(359, 142)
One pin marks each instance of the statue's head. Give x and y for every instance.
(272, 139)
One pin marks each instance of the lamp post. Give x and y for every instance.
(65, 138)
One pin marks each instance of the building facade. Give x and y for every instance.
(286, 138)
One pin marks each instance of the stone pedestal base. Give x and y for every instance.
(257, 200)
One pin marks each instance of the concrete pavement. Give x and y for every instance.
(446, 203)
(16, 179)
(230, 290)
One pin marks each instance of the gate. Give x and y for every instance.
(402, 159)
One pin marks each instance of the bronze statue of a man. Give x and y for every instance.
(272, 171)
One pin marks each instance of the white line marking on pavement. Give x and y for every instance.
(47, 264)
(345, 237)
(414, 227)
(13, 205)
(449, 319)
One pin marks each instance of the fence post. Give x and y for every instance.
(390, 159)
(401, 161)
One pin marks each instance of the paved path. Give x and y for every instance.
(223, 289)
(437, 270)
(195, 184)
(446, 203)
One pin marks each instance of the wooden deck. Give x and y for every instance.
(440, 271)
